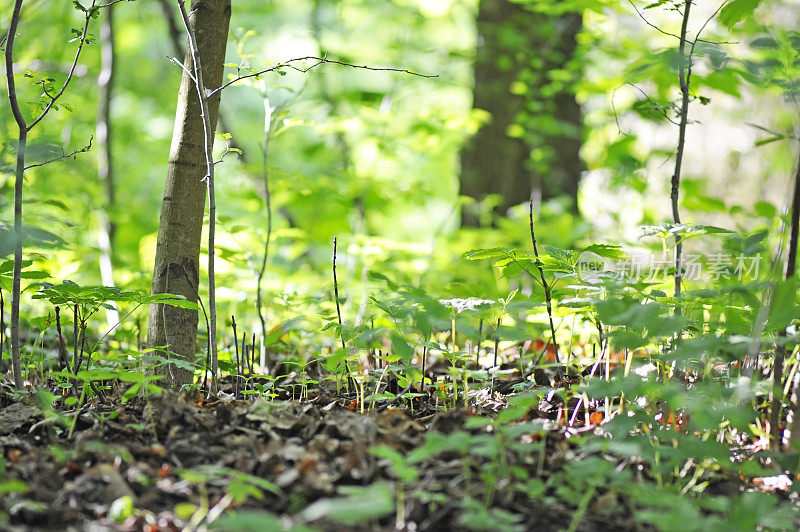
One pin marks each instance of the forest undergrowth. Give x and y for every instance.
(438, 414)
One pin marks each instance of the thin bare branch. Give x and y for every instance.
(180, 64)
(103, 6)
(652, 102)
(63, 155)
(791, 136)
(290, 64)
(641, 16)
(697, 37)
(684, 78)
(81, 42)
(703, 27)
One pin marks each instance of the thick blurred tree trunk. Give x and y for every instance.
(181, 224)
(531, 144)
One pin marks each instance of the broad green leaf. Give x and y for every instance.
(736, 11)
(491, 253)
(361, 504)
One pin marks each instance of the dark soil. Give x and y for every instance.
(310, 450)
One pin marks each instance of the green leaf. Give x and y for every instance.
(490, 253)
(768, 140)
(400, 466)
(784, 308)
(12, 486)
(236, 521)
(361, 504)
(172, 300)
(608, 251)
(737, 11)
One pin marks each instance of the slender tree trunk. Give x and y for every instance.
(684, 78)
(16, 361)
(22, 142)
(531, 145)
(268, 110)
(105, 163)
(177, 37)
(176, 268)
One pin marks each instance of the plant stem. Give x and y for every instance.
(780, 351)
(545, 286)
(236, 347)
(268, 206)
(252, 361)
(684, 77)
(75, 319)
(496, 342)
(77, 411)
(62, 350)
(350, 382)
(424, 357)
(581, 510)
(22, 142)
(478, 349)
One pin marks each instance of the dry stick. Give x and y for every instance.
(203, 96)
(22, 142)
(546, 287)
(780, 351)
(350, 381)
(684, 77)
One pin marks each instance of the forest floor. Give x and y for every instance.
(173, 462)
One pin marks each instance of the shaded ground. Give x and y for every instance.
(170, 463)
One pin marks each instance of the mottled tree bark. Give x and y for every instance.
(180, 228)
(531, 145)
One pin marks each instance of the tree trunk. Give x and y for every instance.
(180, 228)
(105, 159)
(531, 145)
